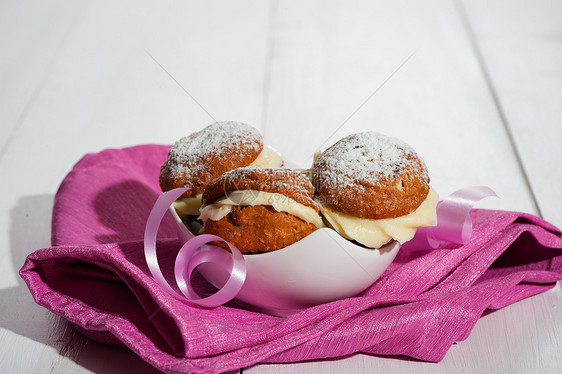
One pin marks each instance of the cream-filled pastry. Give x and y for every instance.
(373, 188)
(259, 209)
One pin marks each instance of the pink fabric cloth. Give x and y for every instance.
(95, 276)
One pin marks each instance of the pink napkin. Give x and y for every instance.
(96, 277)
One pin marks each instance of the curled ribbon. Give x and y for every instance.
(454, 224)
(192, 254)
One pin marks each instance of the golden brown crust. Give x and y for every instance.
(282, 181)
(260, 228)
(196, 160)
(369, 175)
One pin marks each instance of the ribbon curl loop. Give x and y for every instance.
(454, 224)
(192, 254)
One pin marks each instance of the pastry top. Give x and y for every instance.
(370, 175)
(194, 161)
(285, 182)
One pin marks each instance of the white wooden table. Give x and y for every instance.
(480, 99)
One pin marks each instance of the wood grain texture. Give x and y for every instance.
(80, 77)
(32, 36)
(521, 46)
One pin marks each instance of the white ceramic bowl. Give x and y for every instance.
(319, 268)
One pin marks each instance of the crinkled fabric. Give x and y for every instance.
(96, 277)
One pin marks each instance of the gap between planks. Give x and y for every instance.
(495, 98)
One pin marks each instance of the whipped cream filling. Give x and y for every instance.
(374, 233)
(188, 206)
(280, 203)
(268, 159)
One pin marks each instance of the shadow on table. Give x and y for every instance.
(30, 230)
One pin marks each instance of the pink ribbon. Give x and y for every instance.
(454, 224)
(193, 253)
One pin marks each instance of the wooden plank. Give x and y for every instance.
(520, 46)
(32, 35)
(104, 90)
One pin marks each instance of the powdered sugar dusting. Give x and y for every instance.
(282, 181)
(278, 179)
(217, 139)
(364, 159)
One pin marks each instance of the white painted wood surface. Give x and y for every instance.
(479, 99)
